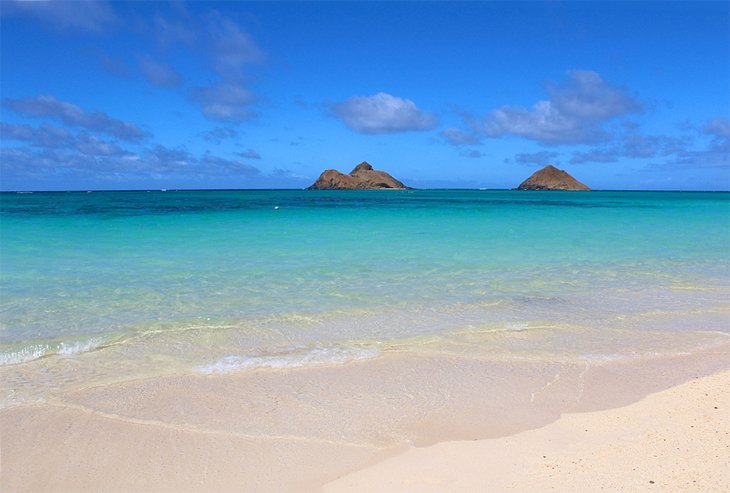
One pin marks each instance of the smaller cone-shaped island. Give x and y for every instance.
(363, 177)
(551, 178)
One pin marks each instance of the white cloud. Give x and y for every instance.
(574, 114)
(383, 113)
(544, 123)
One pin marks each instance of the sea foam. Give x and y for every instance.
(294, 357)
(24, 354)
(32, 352)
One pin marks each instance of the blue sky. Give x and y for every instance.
(146, 95)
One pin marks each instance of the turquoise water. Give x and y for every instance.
(231, 280)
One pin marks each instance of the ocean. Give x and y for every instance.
(107, 287)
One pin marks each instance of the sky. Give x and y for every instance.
(196, 95)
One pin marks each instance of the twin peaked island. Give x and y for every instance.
(364, 177)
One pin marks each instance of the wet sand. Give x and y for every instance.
(299, 429)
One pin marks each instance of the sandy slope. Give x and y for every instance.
(674, 440)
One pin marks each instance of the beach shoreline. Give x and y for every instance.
(674, 440)
(298, 430)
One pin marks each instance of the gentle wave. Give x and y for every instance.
(291, 358)
(517, 326)
(610, 357)
(22, 355)
(32, 352)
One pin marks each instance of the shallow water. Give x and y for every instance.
(107, 286)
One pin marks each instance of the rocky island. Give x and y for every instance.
(363, 177)
(551, 178)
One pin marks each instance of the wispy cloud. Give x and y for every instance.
(102, 162)
(171, 32)
(595, 156)
(91, 145)
(473, 153)
(113, 65)
(180, 161)
(218, 134)
(75, 116)
(213, 165)
(587, 96)
(224, 46)
(45, 135)
(719, 129)
(232, 49)
(249, 154)
(92, 16)
(455, 136)
(716, 154)
(541, 158)
(158, 73)
(225, 101)
(667, 151)
(231, 53)
(51, 137)
(575, 113)
(636, 145)
(169, 159)
(284, 172)
(383, 113)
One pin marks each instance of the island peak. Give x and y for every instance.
(364, 166)
(362, 177)
(551, 178)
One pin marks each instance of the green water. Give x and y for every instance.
(193, 277)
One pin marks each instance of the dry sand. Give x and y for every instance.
(674, 440)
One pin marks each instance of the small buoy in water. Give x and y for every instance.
(276, 207)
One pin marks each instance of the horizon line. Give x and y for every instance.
(481, 189)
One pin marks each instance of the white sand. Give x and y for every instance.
(297, 430)
(674, 440)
